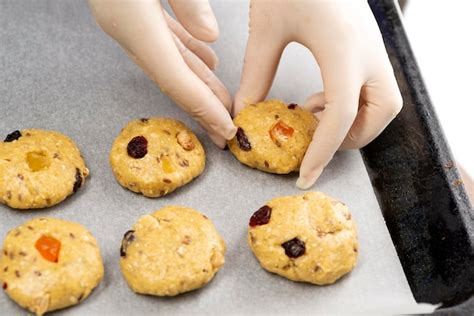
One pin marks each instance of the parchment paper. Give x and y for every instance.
(60, 72)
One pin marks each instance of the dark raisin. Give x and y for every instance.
(5, 285)
(261, 216)
(292, 106)
(128, 238)
(137, 147)
(78, 181)
(12, 136)
(244, 143)
(294, 248)
(144, 120)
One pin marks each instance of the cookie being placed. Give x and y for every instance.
(156, 156)
(48, 264)
(308, 238)
(272, 136)
(171, 251)
(39, 168)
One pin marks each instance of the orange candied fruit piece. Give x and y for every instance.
(48, 247)
(281, 131)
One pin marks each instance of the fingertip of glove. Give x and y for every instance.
(218, 140)
(230, 132)
(215, 63)
(208, 30)
(305, 182)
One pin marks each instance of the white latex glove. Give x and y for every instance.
(173, 54)
(360, 95)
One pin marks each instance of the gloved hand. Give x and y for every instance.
(360, 95)
(173, 54)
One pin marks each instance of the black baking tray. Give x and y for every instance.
(417, 184)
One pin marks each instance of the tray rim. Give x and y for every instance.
(416, 99)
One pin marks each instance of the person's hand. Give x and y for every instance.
(360, 95)
(173, 54)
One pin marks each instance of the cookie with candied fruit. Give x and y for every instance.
(48, 264)
(156, 156)
(272, 136)
(39, 168)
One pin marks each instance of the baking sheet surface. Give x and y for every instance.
(60, 72)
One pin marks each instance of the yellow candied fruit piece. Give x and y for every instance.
(37, 160)
(167, 165)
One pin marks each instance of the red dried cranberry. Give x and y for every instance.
(244, 143)
(128, 238)
(5, 285)
(292, 106)
(137, 147)
(294, 248)
(261, 216)
(12, 136)
(78, 182)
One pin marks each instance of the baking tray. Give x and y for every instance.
(418, 186)
(60, 72)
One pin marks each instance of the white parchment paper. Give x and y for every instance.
(59, 71)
